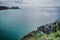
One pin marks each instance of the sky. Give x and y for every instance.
(30, 3)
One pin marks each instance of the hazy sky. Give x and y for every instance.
(30, 3)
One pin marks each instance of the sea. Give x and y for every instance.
(16, 23)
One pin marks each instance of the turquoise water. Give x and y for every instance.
(14, 24)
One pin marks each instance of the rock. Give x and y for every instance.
(49, 28)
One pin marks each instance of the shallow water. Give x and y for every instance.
(14, 24)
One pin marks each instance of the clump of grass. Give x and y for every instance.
(57, 34)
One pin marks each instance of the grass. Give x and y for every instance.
(41, 36)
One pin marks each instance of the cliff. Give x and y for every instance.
(45, 32)
(50, 28)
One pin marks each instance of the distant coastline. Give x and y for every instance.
(5, 7)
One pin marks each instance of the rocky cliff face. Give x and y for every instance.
(49, 28)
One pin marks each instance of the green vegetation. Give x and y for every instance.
(34, 37)
(40, 36)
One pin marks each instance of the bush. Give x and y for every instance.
(57, 34)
